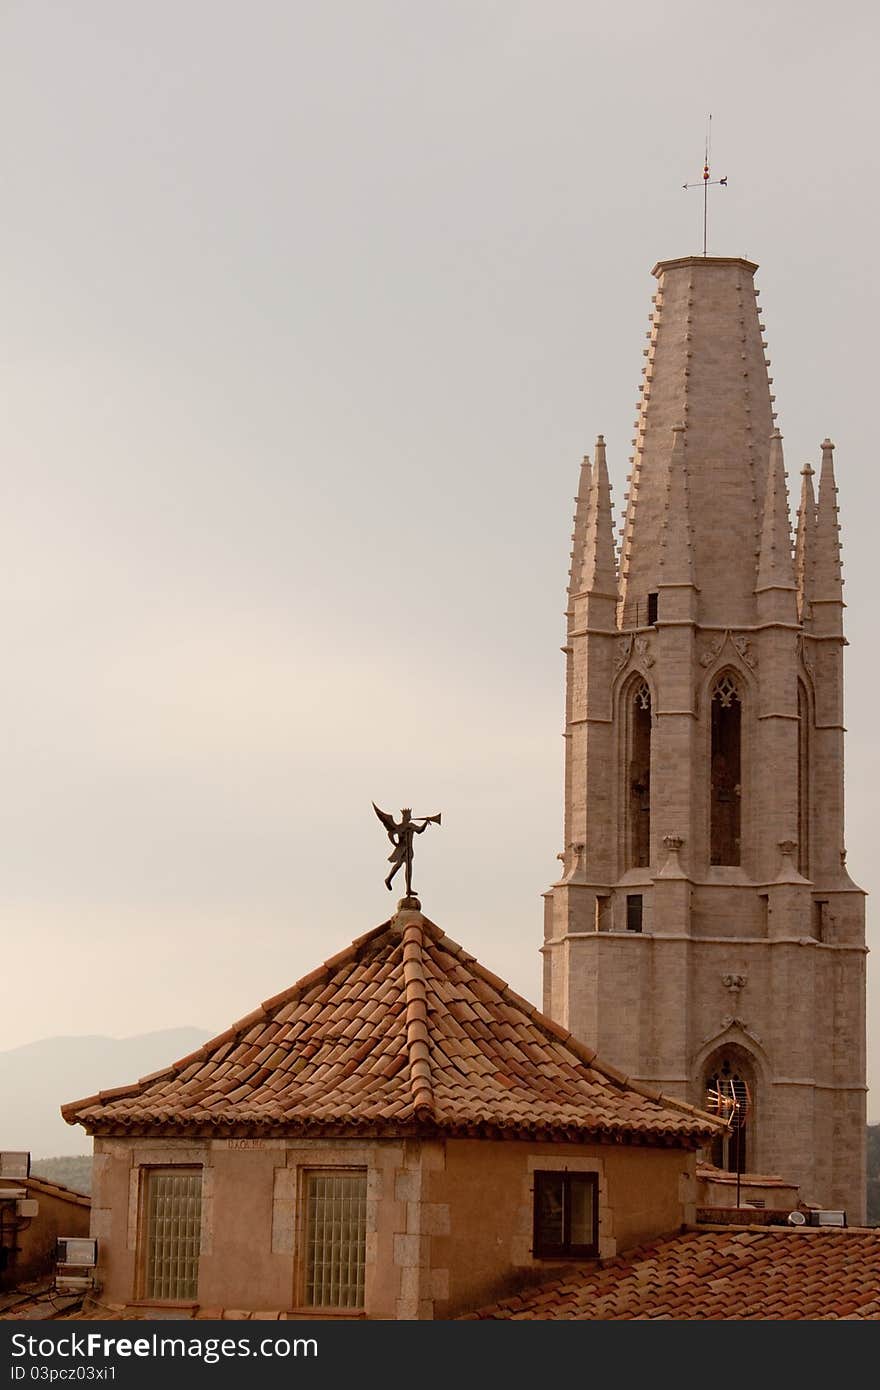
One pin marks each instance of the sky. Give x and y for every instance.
(310, 311)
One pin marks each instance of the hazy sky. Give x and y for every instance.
(309, 313)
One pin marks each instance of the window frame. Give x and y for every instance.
(543, 1250)
(735, 692)
(146, 1172)
(306, 1176)
(637, 710)
(635, 912)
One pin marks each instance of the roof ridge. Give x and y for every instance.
(416, 1013)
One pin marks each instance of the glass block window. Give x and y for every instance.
(335, 1235)
(566, 1214)
(172, 1229)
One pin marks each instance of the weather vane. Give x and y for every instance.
(401, 833)
(706, 181)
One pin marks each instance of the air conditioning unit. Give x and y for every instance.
(827, 1218)
(75, 1261)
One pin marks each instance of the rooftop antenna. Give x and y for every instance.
(706, 181)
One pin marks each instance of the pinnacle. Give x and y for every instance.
(676, 550)
(828, 581)
(774, 565)
(805, 547)
(599, 573)
(582, 502)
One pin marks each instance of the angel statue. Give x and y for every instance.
(401, 836)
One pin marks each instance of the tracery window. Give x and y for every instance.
(729, 1095)
(639, 777)
(803, 782)
(726, 771)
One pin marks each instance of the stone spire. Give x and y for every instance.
(805, 548)
(827, 577)
(599, 572)
(581, 505)
(705, 366)
(676, 545)
(703, 742)
(774, 563)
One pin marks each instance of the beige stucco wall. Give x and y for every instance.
(488, 1187)
(449, 1223)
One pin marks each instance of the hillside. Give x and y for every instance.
(71, 1170)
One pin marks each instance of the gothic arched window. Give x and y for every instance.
(729, 1093)
(803, 781)
(639, 776)
(725, 771)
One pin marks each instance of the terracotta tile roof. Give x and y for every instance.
(403, 1029)
(707, 1172)
(57, 1189)
(771, 1273)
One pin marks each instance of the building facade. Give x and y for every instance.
(705, 932)
(398, 1135)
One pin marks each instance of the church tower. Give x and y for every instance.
(705, 934)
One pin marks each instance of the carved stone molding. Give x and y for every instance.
(624, 651)
(643, 651)
(577, 866)
(636, 647)
(731, 1021)
(741, 643)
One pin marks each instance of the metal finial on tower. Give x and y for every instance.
(705, 182)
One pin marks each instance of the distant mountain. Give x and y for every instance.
(35, 1080)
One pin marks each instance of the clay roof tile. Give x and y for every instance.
(403, 1023)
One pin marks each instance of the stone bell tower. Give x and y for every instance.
(705, 934)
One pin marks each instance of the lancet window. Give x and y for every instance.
(726, 771)
(803, 782)
(729, 1093)
(639, 776)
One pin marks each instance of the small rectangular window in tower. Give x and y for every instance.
(634, 912)
(652, 609)
(820, 920)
